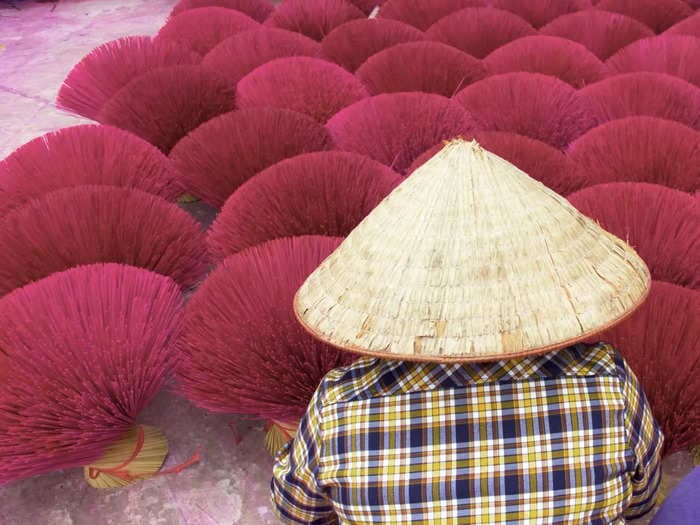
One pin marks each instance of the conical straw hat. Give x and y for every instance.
(470, 259)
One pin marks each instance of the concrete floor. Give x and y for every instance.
(39, 43)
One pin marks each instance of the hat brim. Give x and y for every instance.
(467, 358)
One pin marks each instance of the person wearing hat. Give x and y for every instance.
(470, 291)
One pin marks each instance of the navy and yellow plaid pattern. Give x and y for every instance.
(567, 437)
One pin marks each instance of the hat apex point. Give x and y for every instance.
(460, 142)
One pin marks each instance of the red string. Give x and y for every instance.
(237, 438)
(287, 434)
(119, 472)
(194, 458)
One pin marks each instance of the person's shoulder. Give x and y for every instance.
(580, 360)
(364, 378)
(585, 359)
(370, 377)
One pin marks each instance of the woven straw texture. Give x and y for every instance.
(471, 259)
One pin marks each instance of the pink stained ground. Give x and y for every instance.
(39, 43)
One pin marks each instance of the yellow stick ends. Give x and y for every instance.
(279, 434)
(695, 452)
(138, 455)
(187, 199)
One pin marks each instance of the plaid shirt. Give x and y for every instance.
(567, 437)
